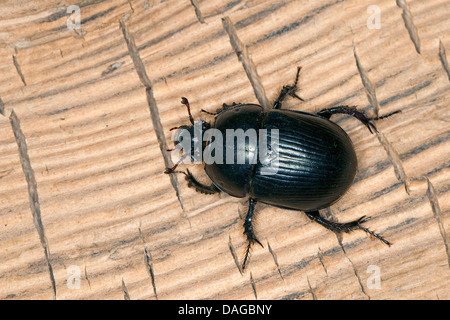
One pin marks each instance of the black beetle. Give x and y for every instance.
(316, 160)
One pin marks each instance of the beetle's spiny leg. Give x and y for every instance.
(248, 231)
(344, 227)
(288, 90)
(194, 183)
(198, 186)
(297, 76)
(247, 251)
(327, 113)
(375, 235)
(386, 115)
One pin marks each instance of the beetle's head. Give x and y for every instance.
(188, 139)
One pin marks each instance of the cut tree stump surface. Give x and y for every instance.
(86, 211)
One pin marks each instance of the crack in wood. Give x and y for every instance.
(320, 256)
(443, 58)
(131, 6)
(32, 191)
(198, 13)
(19, 71)
(274, 256)
(368, 85)
(253, 286)
(2, 107)
(363, 290)
(234, 255)
(126, 295)
(311, 290)
(86, 276)
(391, 152)
(395, 160)
(149, 263)
(244, 57)
(409, 24)
(432, 197)
(154, 112)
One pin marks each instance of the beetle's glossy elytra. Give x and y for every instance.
(315, 160)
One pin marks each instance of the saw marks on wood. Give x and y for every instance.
(88, 110)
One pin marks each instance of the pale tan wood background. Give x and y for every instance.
(108, 211)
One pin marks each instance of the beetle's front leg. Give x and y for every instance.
(198, 186)
(344, 227)
(248, 230)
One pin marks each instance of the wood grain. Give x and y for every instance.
(95, 140)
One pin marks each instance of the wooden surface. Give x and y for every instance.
(85, 115)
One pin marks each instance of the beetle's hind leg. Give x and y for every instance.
(344, 227)
(327, 113)
(288, 91)
(249, 232)
(198, 186)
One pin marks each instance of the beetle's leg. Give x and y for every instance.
(248, 230)
(288, 90)
(224, 108)
(344, 227)
(198, 186)
(327, 113)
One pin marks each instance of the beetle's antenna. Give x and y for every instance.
(186, 103)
